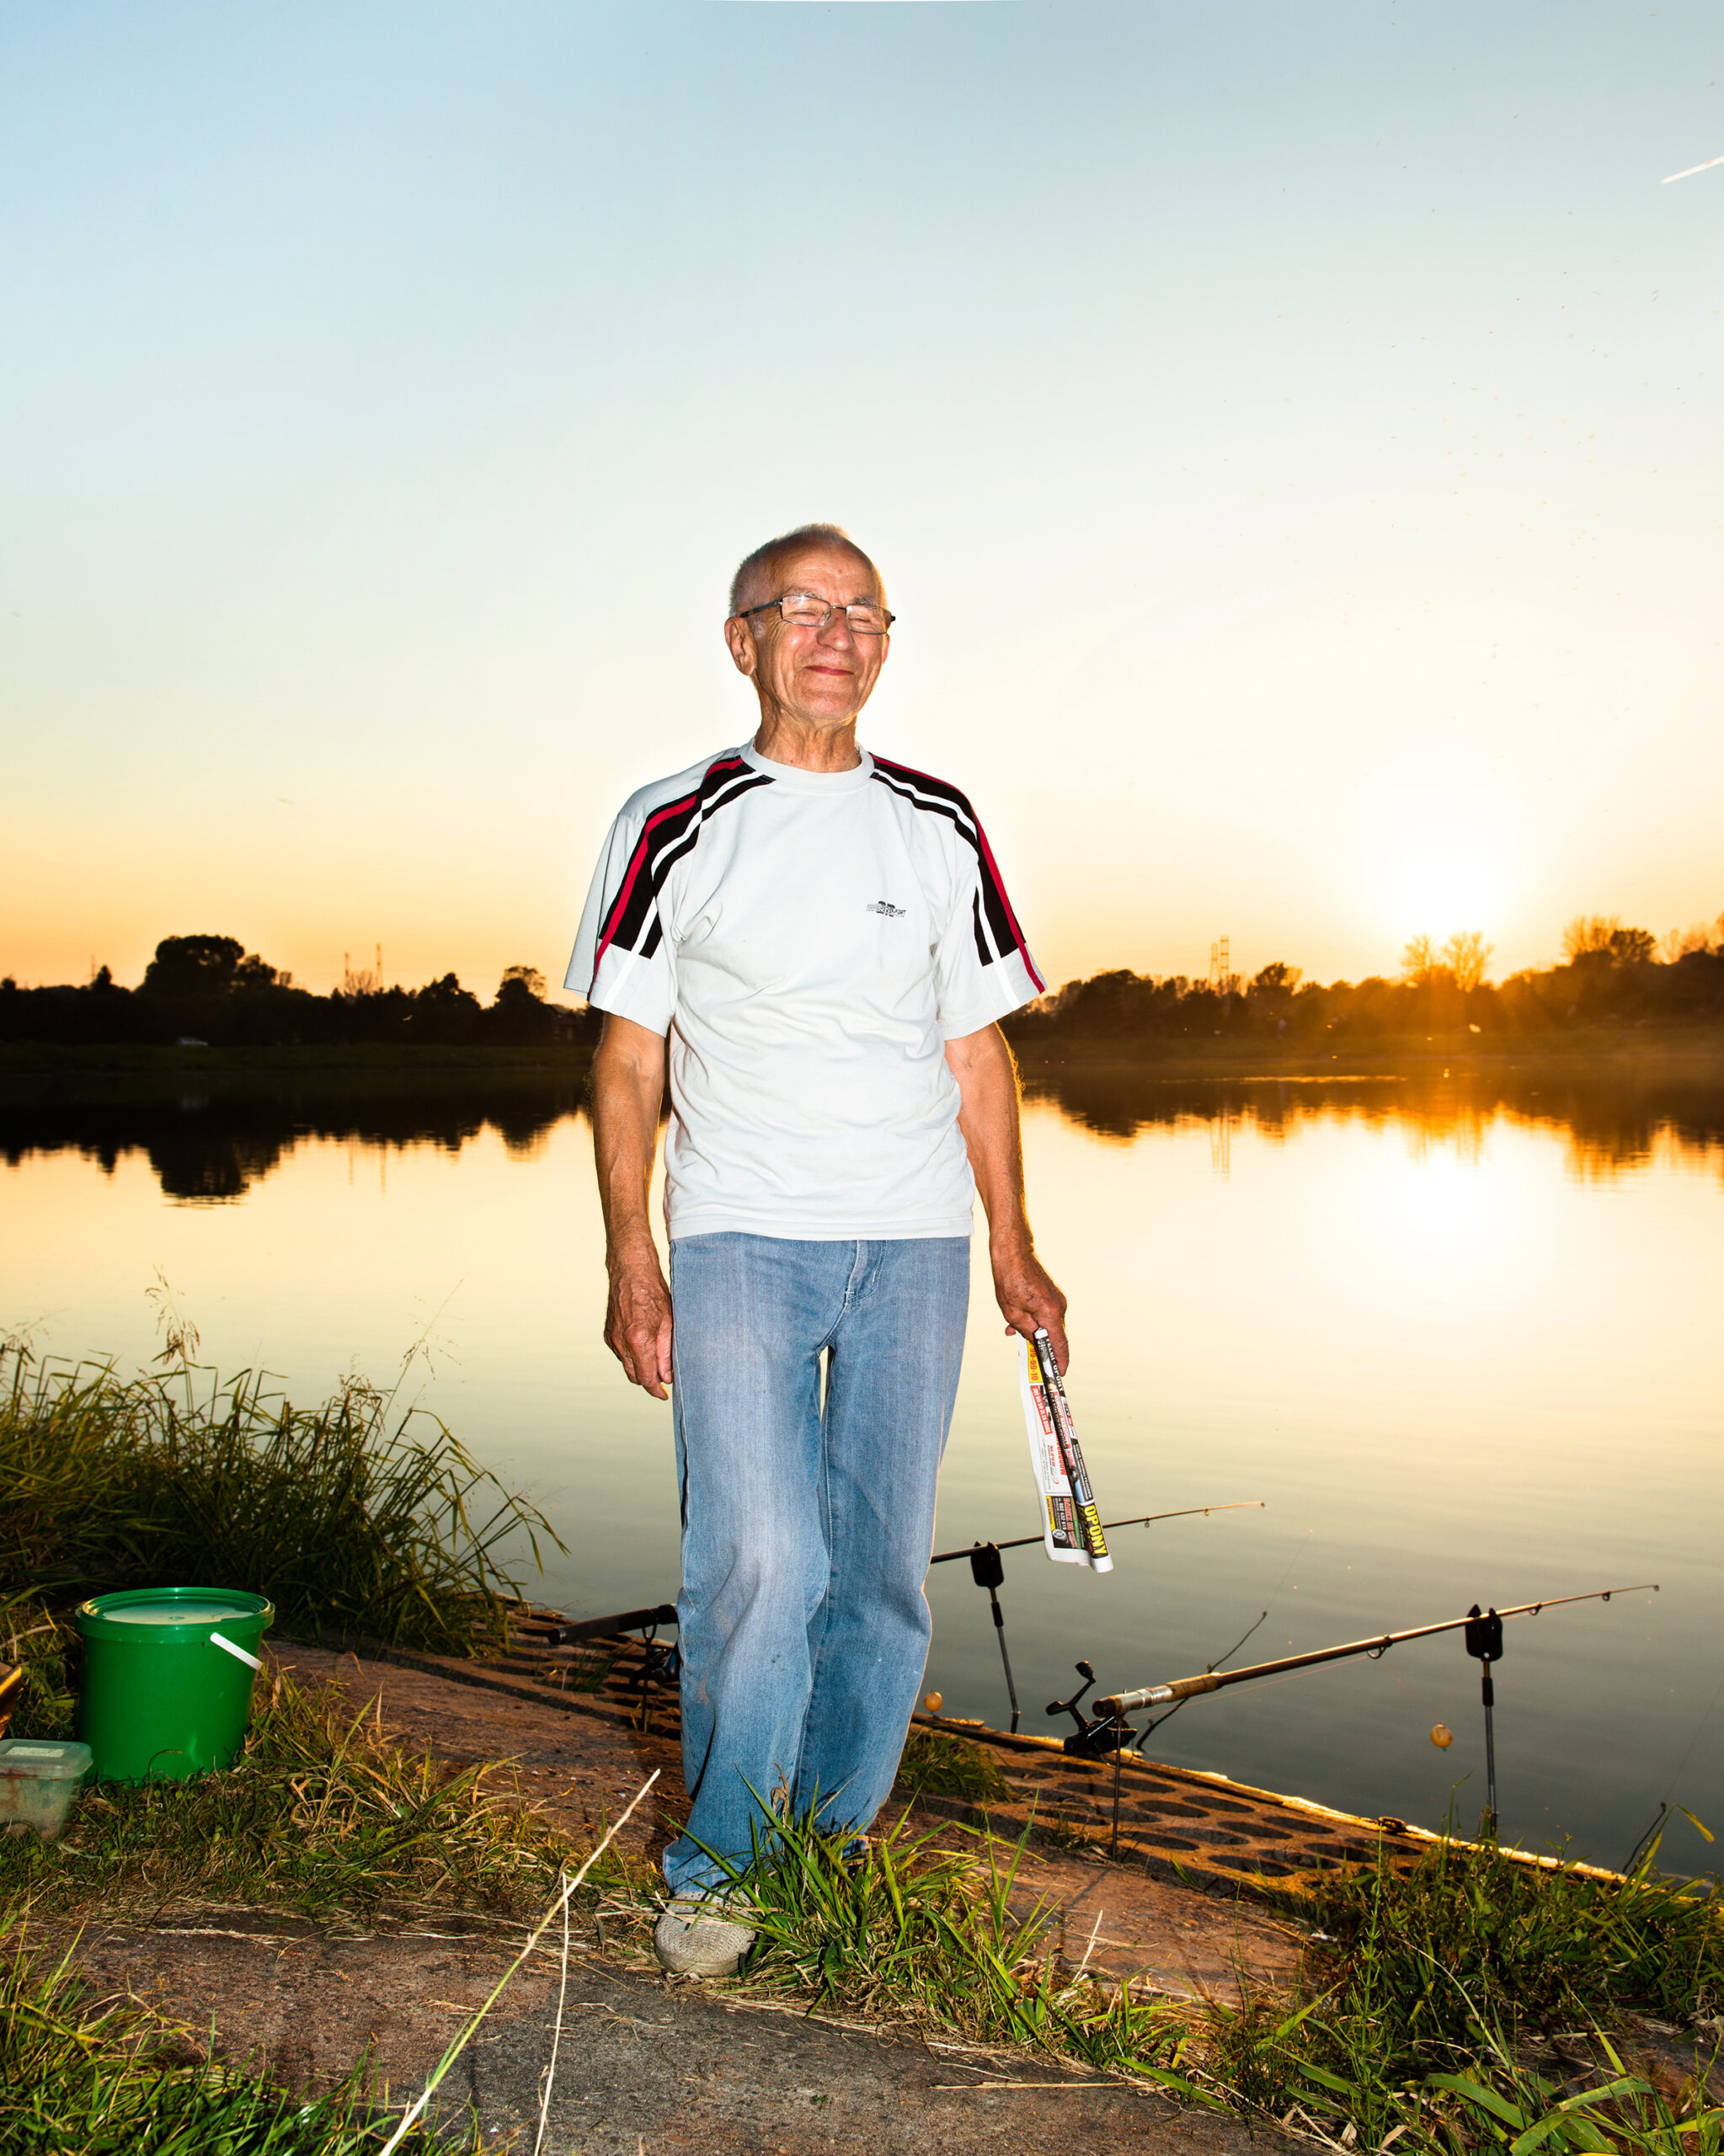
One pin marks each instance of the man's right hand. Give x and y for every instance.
(637, 1323)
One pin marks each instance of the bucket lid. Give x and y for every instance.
(37, 1759)
(170, 1614)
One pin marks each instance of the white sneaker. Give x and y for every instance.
(694, 1937)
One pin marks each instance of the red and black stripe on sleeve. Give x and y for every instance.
(996, 929)
(631, 922)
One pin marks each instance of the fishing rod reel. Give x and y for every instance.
(987, 1571)
(1097, 1735)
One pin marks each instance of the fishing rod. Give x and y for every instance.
(986, 1570)
(1141, 1519)
(1212, 1680)
(1108, 1730)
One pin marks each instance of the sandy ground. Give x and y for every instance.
(581, 1763)
(646, 2063)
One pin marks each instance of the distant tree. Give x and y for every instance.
(1632, 947)
(1684, 942)
(1468, 957)
(206, 965)
(1280, 978)
(520, 1014)
(194, 965)
(1588, 933)
(443, 1012)
(1419, 961)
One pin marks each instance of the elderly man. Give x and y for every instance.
(823, 943)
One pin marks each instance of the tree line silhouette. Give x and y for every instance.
(213, 1147)
(1610, 975)
(211, 990)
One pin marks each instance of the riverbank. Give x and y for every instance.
(39, 1060)
(396, 1824)
(988, 1977)
(1696, 1052)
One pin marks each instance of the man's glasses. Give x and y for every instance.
(802, 610)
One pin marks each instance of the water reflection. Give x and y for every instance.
(1451, 1371)
(1615, 1116)
(212, 1144)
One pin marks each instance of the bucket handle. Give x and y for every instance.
(239, 1654)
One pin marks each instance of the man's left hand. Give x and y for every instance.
(1028, 1298)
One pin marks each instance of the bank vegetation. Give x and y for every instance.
(1610, 978)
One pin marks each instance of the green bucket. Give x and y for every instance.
(163, 1698)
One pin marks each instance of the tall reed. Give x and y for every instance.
(350, 1517)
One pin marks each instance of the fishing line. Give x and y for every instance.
(1291, 1562)
(1149, 1728)
(1682, 1764)
(1237, 1644)
(1138, 1741)
(1211, 1667)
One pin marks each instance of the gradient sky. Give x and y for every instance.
(1291, 436)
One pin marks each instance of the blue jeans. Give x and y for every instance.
(807, 1521)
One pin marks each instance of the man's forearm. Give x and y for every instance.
(987, 1088)
(628, 1085)
(988, 1117)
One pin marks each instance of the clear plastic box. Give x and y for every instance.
(38, 1781)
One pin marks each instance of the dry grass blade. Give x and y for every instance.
(557, 2029)
(561, 1904)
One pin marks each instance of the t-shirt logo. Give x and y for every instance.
(886, 910)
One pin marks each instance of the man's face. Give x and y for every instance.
(821, 676)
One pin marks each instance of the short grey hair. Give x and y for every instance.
(757, 574)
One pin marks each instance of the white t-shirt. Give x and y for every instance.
(810, 940)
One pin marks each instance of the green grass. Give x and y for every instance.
(1064, 1833)
(948, 1766)
(111, 2079)
(914, 1931)
(1440, 1995)
(321, 1814)
(1468, 2004)
(1550, 1945)
(351, 1518)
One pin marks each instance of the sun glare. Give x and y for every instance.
(1436, 890)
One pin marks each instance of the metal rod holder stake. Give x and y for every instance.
(1000, 1628)
(1484, 1642)
(987, 1570)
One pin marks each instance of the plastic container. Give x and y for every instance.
(38, 1781)
(167, 1679)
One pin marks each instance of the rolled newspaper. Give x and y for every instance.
(1071, 1524)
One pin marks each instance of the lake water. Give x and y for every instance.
(1459, 1337)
